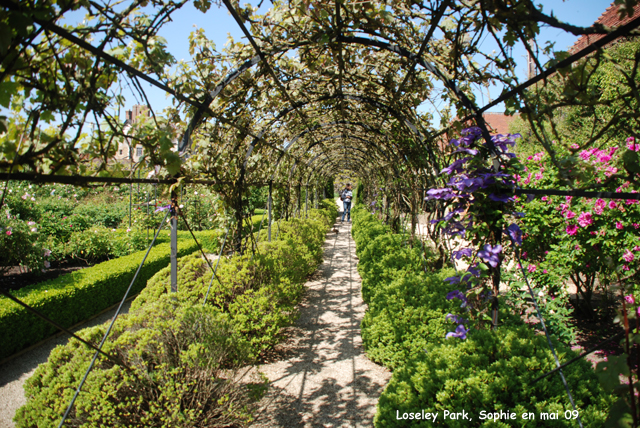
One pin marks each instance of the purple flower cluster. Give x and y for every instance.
(515, 233)
(460, 332)
(490, 254)
(468, 175)
(457, 294)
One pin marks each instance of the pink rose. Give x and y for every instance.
(544, 271)
(619, 225)
(585, 219)
(584, 155)
(629, 299)
(628, 256)
(570, 214)
(612, 205)
(531, 268)
(625, 267)
(599, 207)
(575, 146)
(9, 233)
(572, 229)
(568, 199)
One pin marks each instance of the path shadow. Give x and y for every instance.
(326, 379)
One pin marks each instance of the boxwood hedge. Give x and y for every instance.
(76, 296)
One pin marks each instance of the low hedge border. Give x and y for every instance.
(74, 297)
(404, 329)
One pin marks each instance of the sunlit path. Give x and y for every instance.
(326, 379)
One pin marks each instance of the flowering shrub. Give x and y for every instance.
(591, 242)
(99, 243)
(21, 246)
(60, 228)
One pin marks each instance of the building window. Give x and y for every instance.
(138, 151)
(120, 151)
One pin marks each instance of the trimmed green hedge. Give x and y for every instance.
(77, 296)
(404, 329)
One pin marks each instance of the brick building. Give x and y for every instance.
(609, 18)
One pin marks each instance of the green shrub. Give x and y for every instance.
(406, 315)
(19, 241)
(182, 362)
(77, 296)
(492, 371)
(258, 291)
(104, 214)
(60, 228)
(60, 207)
(22, 207)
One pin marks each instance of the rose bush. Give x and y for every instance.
(592, 242)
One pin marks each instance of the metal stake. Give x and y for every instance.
(269, 205)
(174, 243)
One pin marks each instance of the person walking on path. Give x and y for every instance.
(345, 197)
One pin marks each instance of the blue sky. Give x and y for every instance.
(218, 24)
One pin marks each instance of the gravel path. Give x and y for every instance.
(15, 372)
(326, 380)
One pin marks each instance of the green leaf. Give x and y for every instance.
(7, 90)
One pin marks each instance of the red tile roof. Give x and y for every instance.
(498, 122)
(610, 18)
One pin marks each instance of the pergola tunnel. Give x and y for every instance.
(499, 268)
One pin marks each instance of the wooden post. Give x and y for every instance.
(306, 201)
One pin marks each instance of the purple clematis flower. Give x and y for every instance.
(454, 228)
(445, 193)
(460, 332)
(471, 152)
(164, 208)
(452, 280)
(457, 294)
(473, 270)
(456, 166)
(456, 319)
(465, 252)
(491, 255)
(515, 234)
